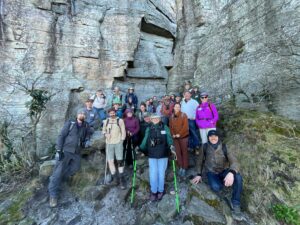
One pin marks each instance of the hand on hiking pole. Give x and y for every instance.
(196, 179)
(59, 155)
(172, 148)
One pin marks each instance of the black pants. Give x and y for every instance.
(129, 145)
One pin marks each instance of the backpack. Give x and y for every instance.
(107, 122)
(71, 125)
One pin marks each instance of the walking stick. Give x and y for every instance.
(133, 177)
(175, 183)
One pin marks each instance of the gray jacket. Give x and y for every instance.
(72, 137)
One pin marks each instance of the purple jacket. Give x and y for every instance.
(132, 125)
(206, 115)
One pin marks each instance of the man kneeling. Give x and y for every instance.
(215, 159)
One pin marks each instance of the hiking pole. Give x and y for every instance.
(133, 177)
(105, 171)
(175, 182)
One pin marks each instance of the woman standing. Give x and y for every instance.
(179, 127)
(132, 127)
(206, 117)
(157, 143)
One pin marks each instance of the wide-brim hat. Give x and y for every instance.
(154, 116)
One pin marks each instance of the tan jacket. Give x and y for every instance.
(116, 132)
(215, 161)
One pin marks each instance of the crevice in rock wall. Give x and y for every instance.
(71, 7)
(159, 10)
(74, 103)
(153, 29)
(51, 51)
(2, 34)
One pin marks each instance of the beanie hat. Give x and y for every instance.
(212, 132)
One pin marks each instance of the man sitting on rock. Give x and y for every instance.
(222, 170)
(69, 143)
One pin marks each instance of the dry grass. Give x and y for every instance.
(268, 150)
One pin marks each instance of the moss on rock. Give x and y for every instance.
(268, 151)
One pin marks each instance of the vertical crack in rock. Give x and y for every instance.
(71, 7)
(2, 35)
(74, 102)
(159, 10)
(51, 51)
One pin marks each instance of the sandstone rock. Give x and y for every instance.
(239, 51)
(92, 193)
(200, 211)
(167, 208)
(77, 47)
(46, 169)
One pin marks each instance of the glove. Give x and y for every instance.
(59, 155)
(87, 144)
(137, 149)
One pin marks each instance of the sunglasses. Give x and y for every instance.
(204, 97)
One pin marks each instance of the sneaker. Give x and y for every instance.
(153, 197)
(160, 195)
(236, 213)
(53, 202)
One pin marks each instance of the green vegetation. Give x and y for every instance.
(286, 214)
(13, 213)
(267, 147)
(38, 102)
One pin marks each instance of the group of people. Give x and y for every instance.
(179, 125)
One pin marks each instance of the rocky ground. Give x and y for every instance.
(84, 202)
(267, 148)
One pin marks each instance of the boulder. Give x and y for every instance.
(46, 169)
(167, 208)
(200, 212)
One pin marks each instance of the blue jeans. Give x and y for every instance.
(157, 170)
(216, 183)
(193, 137)
(101, 112)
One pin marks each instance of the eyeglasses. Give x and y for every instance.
(204, 97)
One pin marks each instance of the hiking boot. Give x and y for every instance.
(236, 213)
(160, 195)
(53, 202)
(122, 182)
(115, 181)
(153, 197)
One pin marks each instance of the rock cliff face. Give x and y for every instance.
(237, 50)
(246, 51)
(72, 48)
